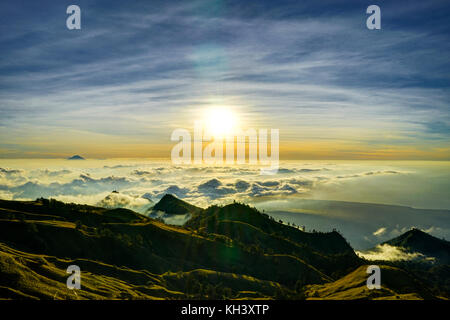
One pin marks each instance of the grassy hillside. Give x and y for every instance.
(396, 284)
(330, 243)
(329, 252)
(232, 252)
(124, 239)
(31, 276)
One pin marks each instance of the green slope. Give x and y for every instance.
(232, 252)
(395, 284)
(124, 239)
(328, 252)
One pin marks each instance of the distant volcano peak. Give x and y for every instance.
(76, 157)
(172, 205)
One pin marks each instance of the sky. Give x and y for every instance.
(137, 70)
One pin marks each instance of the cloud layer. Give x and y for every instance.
(391, 253)
(286, 195)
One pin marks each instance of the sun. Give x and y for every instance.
(220, 121)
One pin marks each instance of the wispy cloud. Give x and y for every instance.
(147, 68)
(380, 232)
(391, 253)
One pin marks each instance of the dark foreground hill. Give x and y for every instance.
(230, 252)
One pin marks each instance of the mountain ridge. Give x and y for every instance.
(136, 257)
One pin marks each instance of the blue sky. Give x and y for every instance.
(139, 69)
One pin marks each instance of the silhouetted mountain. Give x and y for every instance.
(172, 205)
(416, 240)
(76, 157)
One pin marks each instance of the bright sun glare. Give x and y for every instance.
(221, 121)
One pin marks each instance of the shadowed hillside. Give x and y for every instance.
(329, 252)
(229, 252)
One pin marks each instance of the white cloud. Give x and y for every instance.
(390, 253)
(118, 200)
(380, 232)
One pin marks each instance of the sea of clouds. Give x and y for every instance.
(139, 184)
